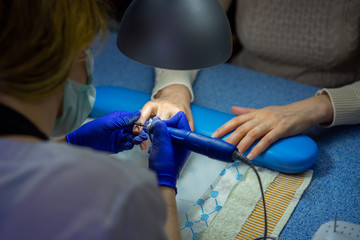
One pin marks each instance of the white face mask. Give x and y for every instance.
(79, 100)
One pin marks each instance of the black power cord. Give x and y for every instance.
(237, 156)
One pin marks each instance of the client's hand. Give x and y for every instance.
(167, 158)
(111, 133)
(168, 102)
(274, 122)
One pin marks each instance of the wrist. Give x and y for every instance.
(325, 109)
(168, 191)
(175, 90)
(166, 180)
(60, 139)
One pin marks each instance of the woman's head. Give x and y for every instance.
(40, 40)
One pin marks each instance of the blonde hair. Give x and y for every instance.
(39, 42)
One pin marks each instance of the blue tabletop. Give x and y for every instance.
(335, 187)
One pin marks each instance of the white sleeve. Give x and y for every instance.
(346, 104)
(166, 77)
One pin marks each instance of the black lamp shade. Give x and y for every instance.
(175, 34)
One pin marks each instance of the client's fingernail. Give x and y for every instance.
(215, 134)
(136, 129)
(250, 156)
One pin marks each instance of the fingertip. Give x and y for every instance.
(220, 132)
(239, 110)
(240, 150)
(255, 152)
(235, 107)
(137, 129)
(241, 147)
(215, 134)
(250, 156)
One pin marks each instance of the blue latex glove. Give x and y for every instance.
(111, 133)
(166, 158)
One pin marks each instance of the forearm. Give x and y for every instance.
(172, 220)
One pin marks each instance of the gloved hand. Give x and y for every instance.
(111, 133)
(166, 158)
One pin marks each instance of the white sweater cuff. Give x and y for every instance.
(166, 77)
(346, 104)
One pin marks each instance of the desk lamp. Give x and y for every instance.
(175, 34)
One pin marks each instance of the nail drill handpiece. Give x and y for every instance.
(212, 147)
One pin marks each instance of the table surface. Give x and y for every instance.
(335, 187)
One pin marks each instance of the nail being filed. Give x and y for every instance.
(147, 123)
(139, 124)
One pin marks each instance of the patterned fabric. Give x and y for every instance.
(203, 211)
(281, 197)
(239, 205)
(232, 207)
